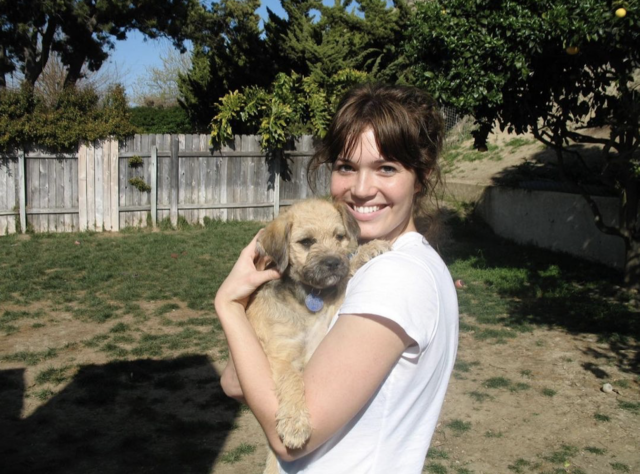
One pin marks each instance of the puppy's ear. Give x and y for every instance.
(274, 241)
(350, 223)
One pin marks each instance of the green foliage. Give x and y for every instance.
(78, 114)
(366, 36)
(160, 119)
(140, 184)
(551, 67)
(293, 106)
(232, 55)
(135, 161)
(82, 31)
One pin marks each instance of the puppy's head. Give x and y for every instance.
(311, 242)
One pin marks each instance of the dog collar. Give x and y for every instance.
(314, 303)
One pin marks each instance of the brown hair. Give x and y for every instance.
(406, 123)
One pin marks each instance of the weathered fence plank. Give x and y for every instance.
(99, 186)
(153, 168)
(22, 180)
(114, 185)
(174, 177)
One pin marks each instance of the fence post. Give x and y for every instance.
(276, 185)
(174, 180)
(154, 185)
(22, 183)
(82, 187)
(115, 187)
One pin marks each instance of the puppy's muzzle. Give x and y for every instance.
(326, 271)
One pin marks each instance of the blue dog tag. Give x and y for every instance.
(314, 303)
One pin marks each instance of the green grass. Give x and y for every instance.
(549, 392)
(480, 396)
(620, 467)
(633, 407)
(235, 455)
(519, 466)
(458, 426)
(563, 455)
(52, 375)
(595, 450)
(30, 357)
(518, 142)
(519, 288)
(435, 468)
(126, 269)
(497, 382)
(435, 453)
(601, 417)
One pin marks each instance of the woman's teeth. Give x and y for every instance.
(366, 209)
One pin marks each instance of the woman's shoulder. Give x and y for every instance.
(411, 257)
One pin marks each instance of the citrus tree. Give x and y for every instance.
(555, 68)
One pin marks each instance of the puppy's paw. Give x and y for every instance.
(367, 252)
(293, 427)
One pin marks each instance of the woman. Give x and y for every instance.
(376, 383)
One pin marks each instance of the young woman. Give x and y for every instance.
(375, 385)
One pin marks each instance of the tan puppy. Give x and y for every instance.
(310, 245)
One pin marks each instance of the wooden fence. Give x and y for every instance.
(91, 190)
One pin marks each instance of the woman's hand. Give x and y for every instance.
(246, 276)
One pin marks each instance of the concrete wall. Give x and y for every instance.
(552, 220)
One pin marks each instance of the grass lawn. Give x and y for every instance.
(109, 352)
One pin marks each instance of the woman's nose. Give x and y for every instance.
(363, 185)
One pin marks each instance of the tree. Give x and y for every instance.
(368, 38)
(294, 105)
(313, 40)
(159, 87)
(81, 32)
(231, 56)
(364, 35)
(556, 68)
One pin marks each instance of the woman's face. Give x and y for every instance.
(379, 193)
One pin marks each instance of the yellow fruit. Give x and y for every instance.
(572, 50)
(621, 12)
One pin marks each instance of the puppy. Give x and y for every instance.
(312, 245)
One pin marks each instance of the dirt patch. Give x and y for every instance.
(533, 403)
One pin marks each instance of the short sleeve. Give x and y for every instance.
(400, 288)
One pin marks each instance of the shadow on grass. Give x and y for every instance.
(148, 416)
(521, 287)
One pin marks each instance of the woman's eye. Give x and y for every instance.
(388, 169)
(306, 243)
(342, 167)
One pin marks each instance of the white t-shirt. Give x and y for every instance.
(411, 286)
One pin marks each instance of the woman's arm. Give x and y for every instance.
(350, 364)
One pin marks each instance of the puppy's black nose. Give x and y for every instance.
(331, 263)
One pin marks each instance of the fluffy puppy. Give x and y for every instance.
(311, 245)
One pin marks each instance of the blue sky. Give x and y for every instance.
(134, 56)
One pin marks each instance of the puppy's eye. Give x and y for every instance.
(340, 237)
(306, 243)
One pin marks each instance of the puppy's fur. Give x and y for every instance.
(310, 245)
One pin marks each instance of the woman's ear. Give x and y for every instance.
(350, 223)
(273, 242)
